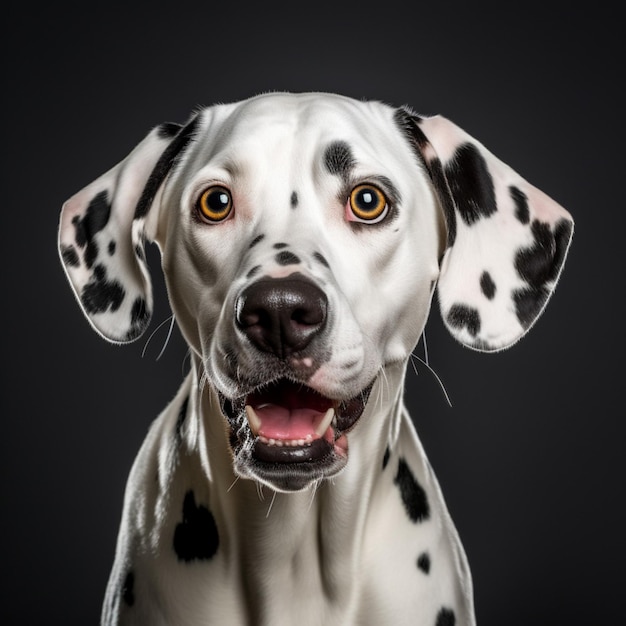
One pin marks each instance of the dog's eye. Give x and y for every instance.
(215, 204)
(367, 203)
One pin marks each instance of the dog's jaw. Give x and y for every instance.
(288, 436)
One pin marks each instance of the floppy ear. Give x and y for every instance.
(103, 230)
(507, 240)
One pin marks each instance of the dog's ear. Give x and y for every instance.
(507, 240)
(103, 230)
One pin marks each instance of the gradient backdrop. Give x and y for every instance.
(530, 456)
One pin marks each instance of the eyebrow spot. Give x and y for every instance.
(294, 200)
(338, 159)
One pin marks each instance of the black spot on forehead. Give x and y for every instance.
(460, 316)
(112, 246)
(256, 240)
(338, 159)
(280, 245)
(321, 258)
(294, 200)
(287, 258)
(413, 496)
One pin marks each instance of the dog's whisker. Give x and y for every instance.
(154, 332)
(232, 484)
(271, 505)
(259, 490)
(167, 339)
(432, 371)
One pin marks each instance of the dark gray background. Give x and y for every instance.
(530, 457)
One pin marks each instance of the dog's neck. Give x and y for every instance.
(321, 528)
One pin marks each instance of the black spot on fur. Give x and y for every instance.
(445, 617)
(338, 159)
(167, 130)
(256, 240)
(69, 256)
(139, 252)
(100, 294)
(386, 457)
(471, 184)
(460, 316)
(287, 258)
(172, 153)
(196, 536)
(423, 562)
(487, 286)
(128, 589)
(293, 200)
(96, 217)
(253, 271)
(280, 246)
(522, 213)
(408, 124)
(111, 248)
(413, 496)
(180, 420)
(139, 318)
(538, 265)
(319, 257)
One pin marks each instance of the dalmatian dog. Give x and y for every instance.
(302, 237)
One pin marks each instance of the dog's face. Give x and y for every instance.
(300, 244)
(301, 239)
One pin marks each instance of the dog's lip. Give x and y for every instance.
(290, 422)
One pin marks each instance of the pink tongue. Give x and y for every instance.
(279, 422)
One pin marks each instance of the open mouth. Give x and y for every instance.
(289, 428)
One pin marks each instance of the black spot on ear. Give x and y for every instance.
(100, 294)
(172, 153)
(69, 256)
(287, 258)
(111, 248)
(408, 124)
(180, 420)
(413, 496)
(139, 252)
(338, 159)
(445, 617)
(128, 589)
(471, 184)
(522, 213)
(253, 271)
(319, 257)
(196, 537)
(386, 457)
(96, 217)
(538, 265)
(167, 130)
(423, 562)
(256, 240)
(280, 245)
(487, 286)
(294, 200)
(460, 316)
(139, 318)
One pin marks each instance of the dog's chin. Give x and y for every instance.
(288, 436)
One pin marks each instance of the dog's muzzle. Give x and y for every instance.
(286, 433)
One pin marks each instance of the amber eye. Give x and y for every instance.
(368, 203)
(215, 203)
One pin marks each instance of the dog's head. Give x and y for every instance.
(302, 237)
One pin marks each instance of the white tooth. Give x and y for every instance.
(325, 423)
(253, 420)
(279, 443)
(300, 442)
(262, 439)
(272, 442)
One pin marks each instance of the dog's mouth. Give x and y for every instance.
(287, 434)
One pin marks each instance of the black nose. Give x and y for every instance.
(281, 315)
